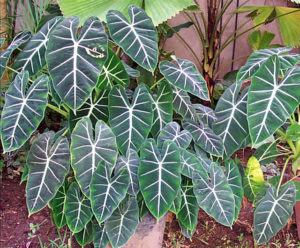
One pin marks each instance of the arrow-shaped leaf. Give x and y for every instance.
(75, 63)
(175, 207)
(131, 123)
(48, 163)
(88, 150)
(100, 239)
(23, 110)
(159, 176)
(138, 38)
(185, 76)
(58, 203)
(270, 103)
(206, 114)
(105, 192)
(189, 163)
(32, 57)
(85, 236)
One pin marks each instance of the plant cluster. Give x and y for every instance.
(127, 152)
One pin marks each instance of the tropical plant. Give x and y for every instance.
(128, 156)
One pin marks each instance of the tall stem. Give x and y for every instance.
(58, 110)
(282, 173)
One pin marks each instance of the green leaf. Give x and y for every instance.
(297, 187)
(131, 162)
(5, 55)
(185, 76)
(203, 157)
(95, 108)
(24, 174)
(159, 176)
(58, 203)
(113, 71)
(130, 71)
(177, 28)
(186, 232)
(86, 235)
(214, 194)
(138, 38)
(77, 209)
(23, 110)
(206, 114)
(234, 180)
(189, 163)
(54, 96)
(162, 107)
(176, 204)
(293, 132)
(2, 40)
(75, 63)
(260, 41)
(131, 123)
(122, 224)
(266, 153)
(172, 132)
(273, 212)
(270, 103)
(48, 164)
(182, 104)
(204, 137)
(253, 178)
(100, 239)
(257, 58)
(188, 214)
(32, 57)
(231, 113)
(105, 192)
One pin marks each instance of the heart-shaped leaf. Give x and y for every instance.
(130, 71)
(23, 110)
(185, 76)
(270, 103)
(32, 57)
(206, 114)
(189, 163)
(48, 163)
(105, 192)
(159, 176)
(202, 156)
(131, 123)
(162, 107)
(77, 209)
(266, 153)
(58, 203)
(231, 113)
(138, 38)
(175, 207)
(113, 71)
(88, 150)
(131, 162)
(204, 137)
(186, 232)
(100, 239)
(122, 224)
(172, 132)
(273, 212)
(257, 58)
(75, 63)
(85, 236)
(214, 194)
(5, 55)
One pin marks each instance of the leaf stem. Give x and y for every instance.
(282, 173)
(58, 110)
(291, 144)
(157, 83)
(15, 71)
(65, 132)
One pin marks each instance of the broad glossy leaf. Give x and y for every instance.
(293, 132)
(159, 176)
(5, 55)
(257, 58)
(186, 232)
(182, 104)
(23, 110)
(105, 192)
(266, 153)
(175, 207)
(273, 212)
(75, 63)
(204, 137)
(86, 235)
(189, 163)
(58, 203)
(95, 108)
(131, 123)
(122, 224)
(32, 57)
(188, 214)
(131, 162)
(54, 96)
(77, 209)
(48, 163)
(162, 107)
(270, 103)
(206, 114)
(130, 71)
(172, 132)
(100, 239)
(234, 180)
(214, 194)
(231, 113)
(185, 76)
(113, 71)
(202, 156)
(253, 178)
(138, 38)
(88, 148)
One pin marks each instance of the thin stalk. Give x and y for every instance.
(65, 132)
(290, 143)
(15, 71)
(156, 83)
(276, 155)
(58, 110)
(292, 179)
(282, 173)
